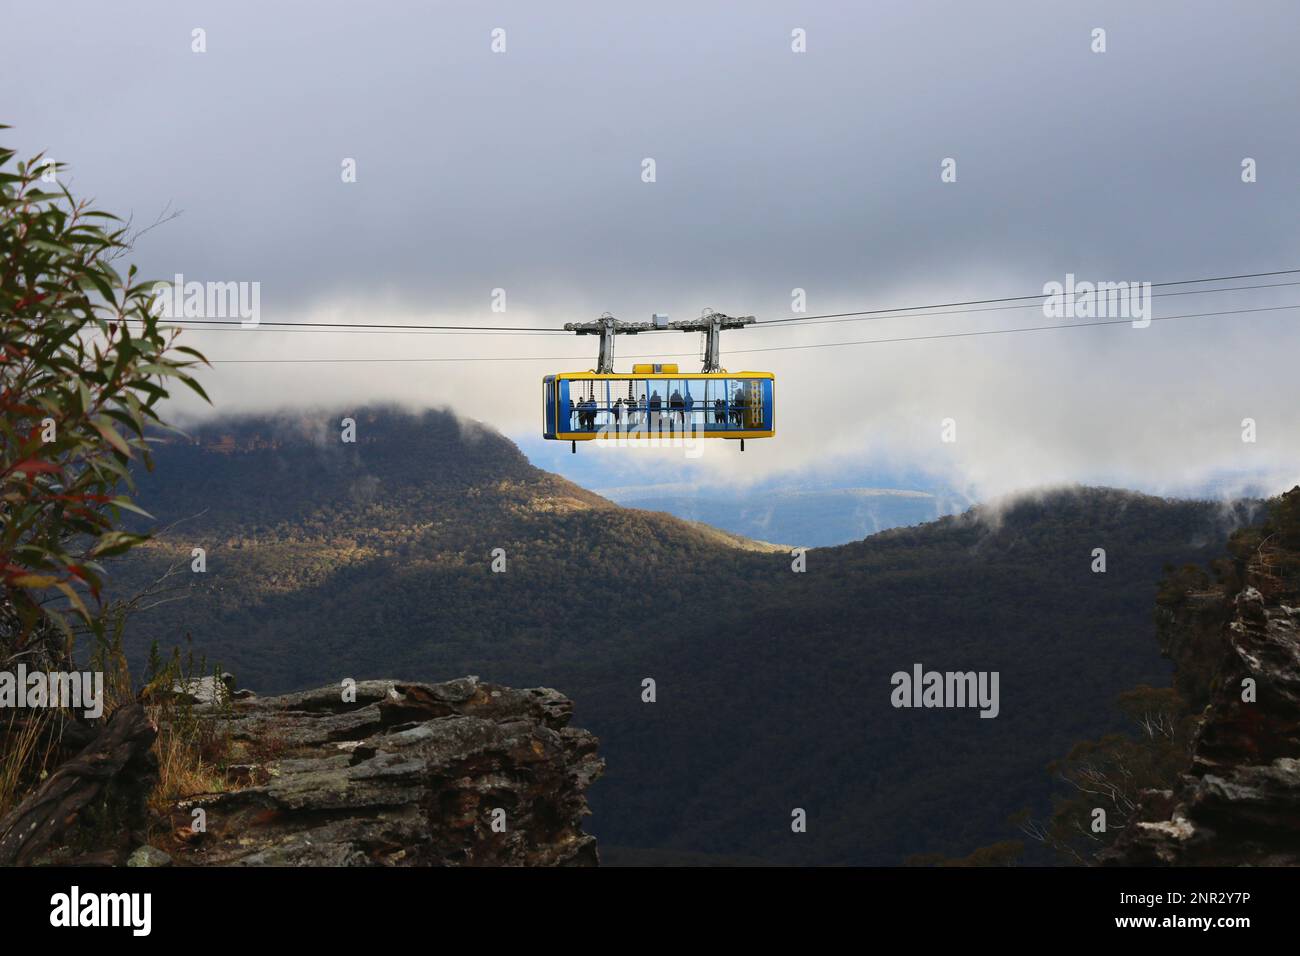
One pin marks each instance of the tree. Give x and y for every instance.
(84, 363)
(1110, 775)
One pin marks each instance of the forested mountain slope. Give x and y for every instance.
(328, 560)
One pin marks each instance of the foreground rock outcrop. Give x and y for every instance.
(1239, 802)
(459, 773)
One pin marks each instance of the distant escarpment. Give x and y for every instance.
(460, 773)
(1238, 655)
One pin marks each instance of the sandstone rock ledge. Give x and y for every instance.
(1239, 802)
(408, 775)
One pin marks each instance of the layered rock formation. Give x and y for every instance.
(1239, 802)
(460, 773)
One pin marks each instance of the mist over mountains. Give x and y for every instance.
(327, 560)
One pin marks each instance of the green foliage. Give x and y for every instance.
(83, 365)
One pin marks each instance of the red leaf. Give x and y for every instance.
(32, 465)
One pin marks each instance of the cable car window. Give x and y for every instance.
(673, 403)
(691, 404)
(636, 406)
(715, 404)
(654, 403)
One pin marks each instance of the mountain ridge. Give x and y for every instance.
(387, 568)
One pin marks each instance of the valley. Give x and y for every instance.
(384, 568)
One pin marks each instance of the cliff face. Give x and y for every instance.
(1239, 802)
(460, 773)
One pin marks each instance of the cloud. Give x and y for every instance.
(775, 171)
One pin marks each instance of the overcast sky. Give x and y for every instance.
(775, 170)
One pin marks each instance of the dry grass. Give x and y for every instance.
(193, 748)
(191, 758)
(25, 756)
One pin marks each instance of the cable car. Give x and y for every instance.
(658, 401)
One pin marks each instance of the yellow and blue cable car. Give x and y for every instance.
(658, 401)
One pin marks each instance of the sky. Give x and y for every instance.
(522, 169)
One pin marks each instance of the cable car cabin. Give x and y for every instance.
(657, 401)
